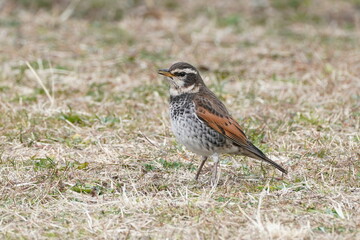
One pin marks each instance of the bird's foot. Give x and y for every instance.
(215, 176)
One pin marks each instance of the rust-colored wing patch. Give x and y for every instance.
(225, 125)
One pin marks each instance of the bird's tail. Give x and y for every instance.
(254, 152)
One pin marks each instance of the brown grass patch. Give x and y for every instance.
(85, 146)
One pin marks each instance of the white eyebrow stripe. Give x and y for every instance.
(187, 70)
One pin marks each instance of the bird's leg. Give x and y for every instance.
(204, 158)
(214, 177)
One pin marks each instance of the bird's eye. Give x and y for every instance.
(181, 74)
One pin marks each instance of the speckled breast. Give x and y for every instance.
(192, 132)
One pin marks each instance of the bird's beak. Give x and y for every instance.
(165, 72)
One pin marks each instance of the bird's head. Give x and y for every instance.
(183, 78)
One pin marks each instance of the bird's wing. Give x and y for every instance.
(224, 124)
(213, 113)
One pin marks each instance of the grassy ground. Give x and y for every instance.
(85, 146)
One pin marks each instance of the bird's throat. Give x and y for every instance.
(176, 90)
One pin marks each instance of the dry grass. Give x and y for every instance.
(85, 146)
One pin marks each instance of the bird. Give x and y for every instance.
(202, 123)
